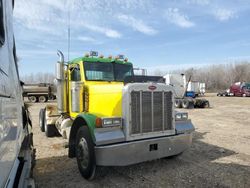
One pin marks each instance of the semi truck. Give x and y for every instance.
(41, 92)
(112, 122)
(239, 89)
(16, 148)
(184, 98)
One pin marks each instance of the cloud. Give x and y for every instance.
(174, 16)
(199, 2)
(224, 14)
(104, 30)
(86, 39)
(51, 17)
(136, 24)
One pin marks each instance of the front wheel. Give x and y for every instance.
(85, 153)
(41, 119)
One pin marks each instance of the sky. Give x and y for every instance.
(153, 34)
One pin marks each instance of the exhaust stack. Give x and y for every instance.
(61, 84)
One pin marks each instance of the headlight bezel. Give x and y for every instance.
(111, 122)
(181, 116)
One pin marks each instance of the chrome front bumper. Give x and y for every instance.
(128, 153)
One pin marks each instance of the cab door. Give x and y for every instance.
(10, 99)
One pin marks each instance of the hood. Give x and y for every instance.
(105, 99)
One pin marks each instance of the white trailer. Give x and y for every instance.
(202, 87)
(16, 150)
(180, 87)
(194, 86)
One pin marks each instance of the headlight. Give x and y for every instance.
(111, 122)
(181, 116)
(107, 122)
(117, 121)
(178, 116)
(184, 115)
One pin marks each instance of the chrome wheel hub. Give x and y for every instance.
(83, 153)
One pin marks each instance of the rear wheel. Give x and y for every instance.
(42, 99)
(49, 129)
(41, 119)
(32, 99)
(177, 103)
(185, 103)
(85, 153)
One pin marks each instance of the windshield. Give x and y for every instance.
(121, 71)
(99, 71)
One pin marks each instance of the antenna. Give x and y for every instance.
(68, 32)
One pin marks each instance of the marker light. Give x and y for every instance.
(110, 56)
(101, 56)
(93, 53)
(120, 56)
(98, 122)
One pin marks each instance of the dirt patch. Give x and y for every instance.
(219, 156)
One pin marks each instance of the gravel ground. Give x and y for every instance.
(219, 156)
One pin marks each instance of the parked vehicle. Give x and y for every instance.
(225, 93)
(202, 88)
(198, 88)
(240, 89)
(16, 150)
(112, 122)
(41, 92)
(193, 86)
(184, 98)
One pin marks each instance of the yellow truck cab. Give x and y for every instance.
(110, 122)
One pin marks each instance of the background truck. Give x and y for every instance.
(197, 88)
(183, 97)
(110, 122)
(240, 89)
(16, 150)
(41, 92)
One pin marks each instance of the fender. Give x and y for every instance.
(83, 119)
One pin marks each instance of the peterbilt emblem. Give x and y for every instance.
(152, 87)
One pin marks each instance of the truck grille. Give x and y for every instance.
(151, 111)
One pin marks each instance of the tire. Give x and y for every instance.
(85, 153)
(32, 99)
(177, 103)
(185, 104)
(49, 129)
(41, 119)
(42, 99)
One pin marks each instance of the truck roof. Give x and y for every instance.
(98, 59)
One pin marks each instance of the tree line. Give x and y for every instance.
(216, 77)
(38, 78)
